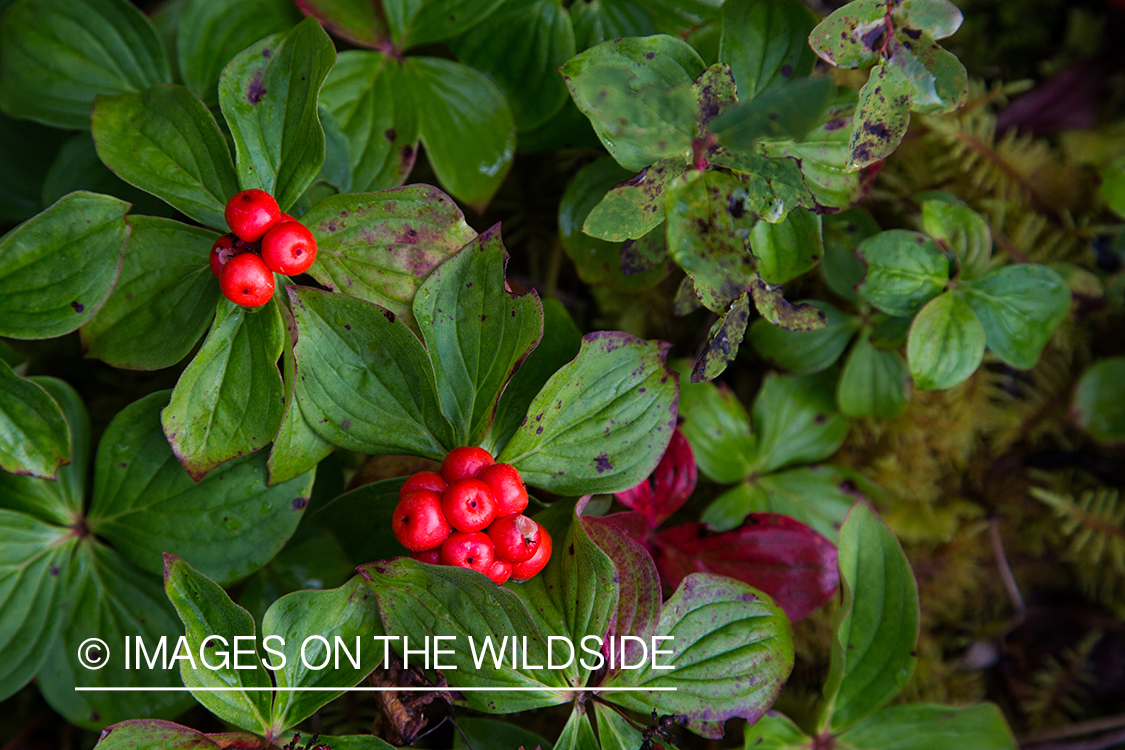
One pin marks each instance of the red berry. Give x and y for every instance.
(464, 463)
(423, 480)
(251, 213)
(431, 556)
(468, 551)
(418, 523)
(529, 568)
(500, 571)
(225, 248)
(508, 487)
(516, 537)
(288, 248)
(287, 217)
(246, 281)
(469, 505)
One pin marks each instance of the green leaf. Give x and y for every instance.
(818, 496)
(876, 623)
(1112, 189)
(476, 333)
(928, 726)
(415, 23)
(77, 166)
(845, 37)
(946, 343)
(723, 341)
(638, 95)
(59, 501)
(1099, 400)
(362, 369)
(137, 734)
(380, 247)
(602, 422)
(164, 141)
(210, 418)
(560, 344)
(297, 448)
(357, 519)
(890, 332)
(163, 301)
(882, 117)
(718, 428)
(206, 610)
(479, 732)
(796, 421)
(211, 32)
(347, 613)
(357, 21)
(963, 231)
(268, 94)
(708, 236)
(521, 45)
(313, 559)
(841, 269)
(788, 111)
(807, 352)
(774, 186)
(578, 733)
(614, 731)
(905, 270)
(788, 248)
(773, 306)
(732, 649)
(57, 55)
(766, 43)
(874, 383)
(113, 600)
(229, 525)
(33, 436)
(940, 18)
(57, 269)
(1019, 306)
(776, 731)
(633, 205)
(367, 97)
(27, 151)
(599, 20)
(36, 571)
(418, 600)
(592, 192)
(935, 79)
(465, 124)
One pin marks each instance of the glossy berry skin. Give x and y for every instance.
(418, 523)
(517, 538)
(251, 213)
(225, 248)
(465, 463)
(473, 551)
(246, 281)
(530, 568)
(288, 248)
(469, 505)
(423, 480)
(508, 487)
(500, 571)
(431, 556)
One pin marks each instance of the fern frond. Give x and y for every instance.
(1095, 525)
(1059, 687)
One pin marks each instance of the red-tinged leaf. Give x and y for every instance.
(784, 558)
(638, 600)
(668, 487)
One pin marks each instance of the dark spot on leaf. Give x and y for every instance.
(772, 117)
(347, 327)
(95, 716)
(345, 424)
(54, 570)
(390, 134)
(256, 90)
(639, 390)
(650, 55)
(300, 503)
(571, 550)
(786, 71)
(913, 33)
(539, 430)
(834, 124)
(78, 306)
(267, 53)
(820, 419)
(602, 463)
(469, 285)
(390, 316)
(874, 38)
(736, 207)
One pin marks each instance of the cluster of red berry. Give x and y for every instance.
(470, 515)
(262, 241)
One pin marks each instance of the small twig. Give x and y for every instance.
(1010, 584)
(1077, 729)
(1104, 742)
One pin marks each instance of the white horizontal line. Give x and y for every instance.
(372, 689)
